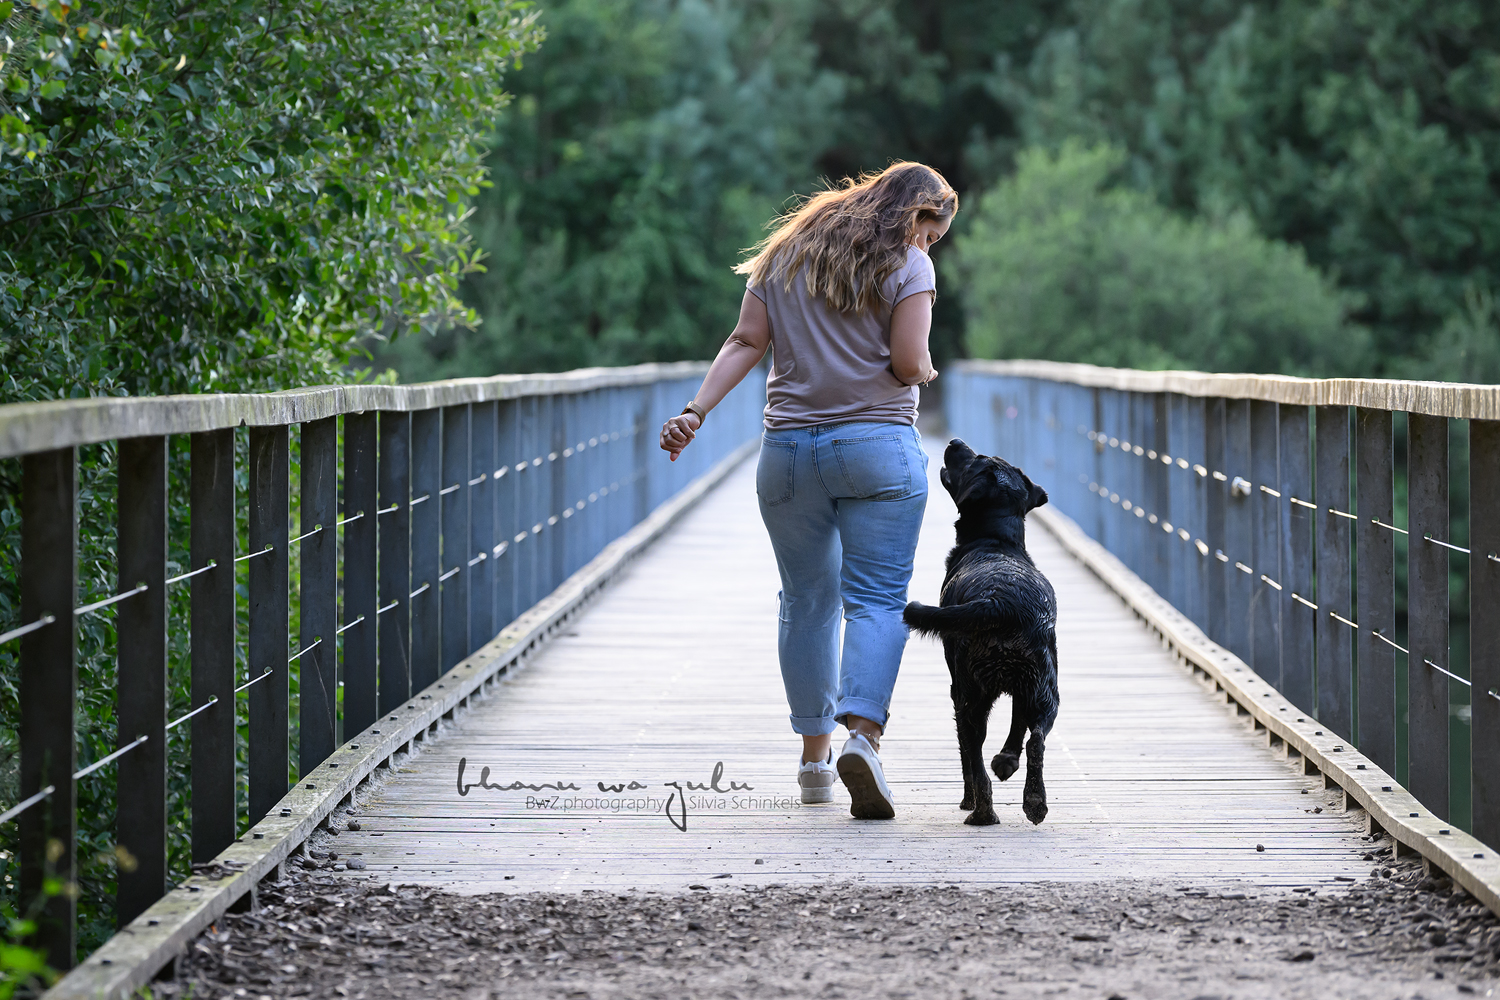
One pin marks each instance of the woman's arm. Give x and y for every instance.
(911, 322)
(740, 353)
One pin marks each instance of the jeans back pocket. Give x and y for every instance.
(874, 468)
(773, 473)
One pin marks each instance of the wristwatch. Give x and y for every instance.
(693, 407)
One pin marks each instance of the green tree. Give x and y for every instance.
(649, 142)
(228, 195)
(1065, 262)
(216, 197)
(1366, 133)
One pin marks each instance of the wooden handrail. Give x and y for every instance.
(1438, 399)
(26, 428)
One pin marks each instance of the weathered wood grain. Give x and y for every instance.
(1440, 399)
(32, 427)
(132, 957)
(1471, 863)
(674, 671)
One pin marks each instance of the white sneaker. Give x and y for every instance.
(816, 780)
(859, 767)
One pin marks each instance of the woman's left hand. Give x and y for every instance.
(678, 432)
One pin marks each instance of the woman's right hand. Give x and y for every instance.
(678, 432)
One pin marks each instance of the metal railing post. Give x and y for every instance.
(1216, 519)
(1265, 546)
(49, 691)
(480, 557)
(1375, 661)
(318, 598)
(1297, 621)
(454, 577)
(270, 515)
(1239, 530)
(361, 523)
(212, 540)
(507, 519)
(393, 520)
(1427, 612)
(1335, 643)
(141, 630)
(426, 524)
(1484, 625)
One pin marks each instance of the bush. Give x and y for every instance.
(220, 196)
(227, 195)
(649, 142)
(1064, 262)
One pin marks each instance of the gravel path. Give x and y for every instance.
(326, 934)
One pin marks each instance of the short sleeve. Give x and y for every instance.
(759, 291)
(917, 275)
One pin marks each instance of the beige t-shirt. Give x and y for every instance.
(831, 367)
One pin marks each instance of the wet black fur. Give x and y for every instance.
(998, 625)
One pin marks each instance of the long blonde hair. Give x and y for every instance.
(848, 239)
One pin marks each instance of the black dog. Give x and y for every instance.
(998, 625)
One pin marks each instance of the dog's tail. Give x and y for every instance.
(976, 616)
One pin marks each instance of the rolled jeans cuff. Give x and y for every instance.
(813, 725)
(863, 708)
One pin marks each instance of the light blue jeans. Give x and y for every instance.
(843, 504)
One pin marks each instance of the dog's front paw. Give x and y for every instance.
(1034, 805)
(1005, 764)
(982, 817)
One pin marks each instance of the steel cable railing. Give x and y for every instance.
(1271, 522)
(429, 463)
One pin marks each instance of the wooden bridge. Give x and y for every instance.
(531, 654)
(673, 673)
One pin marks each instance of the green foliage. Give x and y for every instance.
(1367, 133)
(23, 968)
(1064, 262)
(652, 139)
(219, 197)
(228, 195)
(648, 143)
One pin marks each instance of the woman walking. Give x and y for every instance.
(842, 293)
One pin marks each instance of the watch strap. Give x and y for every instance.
(693, 408)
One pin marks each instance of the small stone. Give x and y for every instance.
(701, 888)
(1261, 848)
(356, 864)
(353, 824)
(1438, 938)
(338, 868)
(1302, 956)
(760, 861)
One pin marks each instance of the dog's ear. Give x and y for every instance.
(1036, 495)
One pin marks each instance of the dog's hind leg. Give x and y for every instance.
(1009, 758)
(972, 715)
(963, 748)
(1034, 795)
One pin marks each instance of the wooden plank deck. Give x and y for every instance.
(673, 672)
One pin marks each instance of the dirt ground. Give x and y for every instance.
(322, 934)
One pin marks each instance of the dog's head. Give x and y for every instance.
(982, 482)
